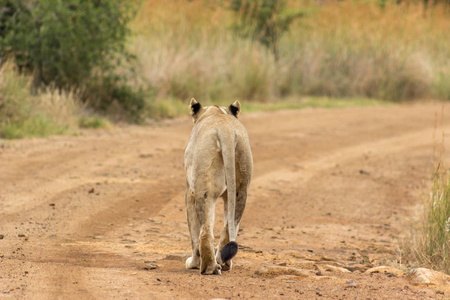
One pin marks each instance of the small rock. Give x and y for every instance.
(21, 235)
(269, 270)
(179, 256)
(364, 172)
(98, 237)
(2, 236)
(334, 269)
(150, 266)
(351, 283)
(52, 204)
(91, 191)
(357, 267)
(427, 276)
(390, 271)
(283, 264)
(310, 250)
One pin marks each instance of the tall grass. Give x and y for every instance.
(434, 244)
(340, 49)
(185, 49)
(430, 243)
(24, 114)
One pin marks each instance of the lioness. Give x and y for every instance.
(218, 163)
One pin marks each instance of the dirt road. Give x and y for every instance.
(101, 215)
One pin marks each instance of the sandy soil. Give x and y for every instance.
(101, 215)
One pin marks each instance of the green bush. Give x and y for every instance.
(70, 44)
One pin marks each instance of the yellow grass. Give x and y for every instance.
(24, 114)
(340, 49)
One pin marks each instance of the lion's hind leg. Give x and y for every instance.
(224, 238)
(208, 263)
(192, 262)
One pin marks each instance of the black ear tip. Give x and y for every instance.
(229, 251)
(234, 109)
(195, 107)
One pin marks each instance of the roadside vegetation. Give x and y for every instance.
(61, 61)
(434, 243)
(394, 52)
(430, 243)
(133, 60)
(48, 112)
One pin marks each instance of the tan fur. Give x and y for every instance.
(218, 163)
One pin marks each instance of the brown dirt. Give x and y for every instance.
(82, 217)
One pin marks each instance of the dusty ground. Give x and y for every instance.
(101, 215)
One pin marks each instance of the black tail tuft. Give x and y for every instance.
(229, 251)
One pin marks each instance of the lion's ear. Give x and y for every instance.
(235, 108)
(195, 108)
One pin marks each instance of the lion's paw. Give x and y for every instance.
(216, 270)
(227, 266)
(192, 263)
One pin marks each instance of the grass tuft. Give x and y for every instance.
(23, 114)
(430, 244)
(94, 122)
(434, 247)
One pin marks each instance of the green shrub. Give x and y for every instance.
(73, 45)
(114, 95)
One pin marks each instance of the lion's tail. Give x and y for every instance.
(229, 160)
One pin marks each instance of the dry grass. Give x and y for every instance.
(341, 49)
(431, 245)
(23, 114)
(186, 49)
